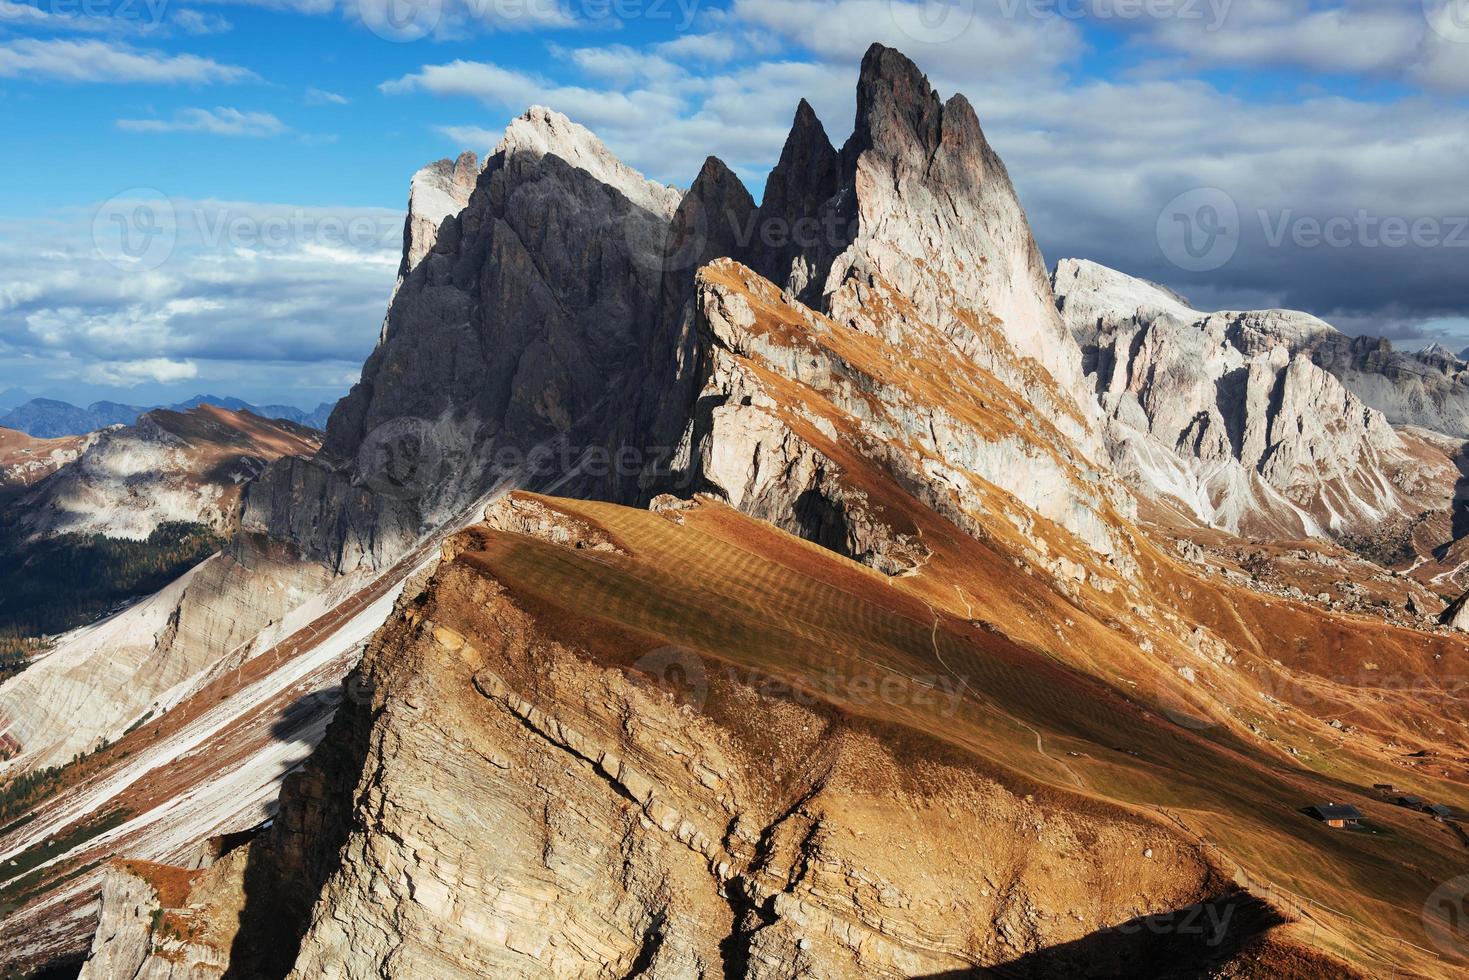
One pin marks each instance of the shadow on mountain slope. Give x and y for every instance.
(1185, 944)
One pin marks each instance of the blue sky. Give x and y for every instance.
(264, 129)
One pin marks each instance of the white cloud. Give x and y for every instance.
(475, 138)
(505, 88)
(707, 48)
(978, 37)
(105, 61)
(257, 297)
(1291, 33)
(221, 121)
(664, 128)
(317, 96)
(130, 374)
(198, 23)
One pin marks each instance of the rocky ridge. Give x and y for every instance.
(1220, 413)
(25, 460)
(168, 466)
(641, 834)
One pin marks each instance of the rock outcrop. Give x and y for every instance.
(523, 329)
(26, 460)
(1218, 412)
(801, 405)
(1428, 388)
(1457, 614)
(436, 193)
(519, 798)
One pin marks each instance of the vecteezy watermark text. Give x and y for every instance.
(140, 228)
(942, 21)
(1207, 920)
(1201, 230)
(688, 677)
(1210, 14)
(149, 13)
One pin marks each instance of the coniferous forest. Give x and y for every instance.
(51, 585)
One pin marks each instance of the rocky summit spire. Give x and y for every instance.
(438, 191)
(935, 215)
(896, 106)
(790, 241)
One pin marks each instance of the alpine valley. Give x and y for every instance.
(813, 587)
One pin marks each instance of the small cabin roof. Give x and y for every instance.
(1336, 811)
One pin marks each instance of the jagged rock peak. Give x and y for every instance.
(894, 101)
(436, 192)
(805, 179)
(1440, 356)
(545, 132)
(711, 222)
(725, 203)
(808, 161)
(715, 172)
(921, 175)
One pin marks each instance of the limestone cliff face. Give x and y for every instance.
(524, 323)
(938, 219)
(1219, 412)
(436, 193)
(797, 399)
(1429, 389)
(99, 680)
(555, 309)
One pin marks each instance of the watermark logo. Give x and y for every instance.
(136, 230)
(401, 21)
(1206, 921)
(1199, 230)
(1446, 917)
(401, 459)
(932, 21)
(679, 671)
(1449, 19)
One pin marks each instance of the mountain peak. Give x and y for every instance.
(807, 175)
(1439, 351)
(541, 132)
(895, 103)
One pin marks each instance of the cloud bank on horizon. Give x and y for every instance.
(1301, 153)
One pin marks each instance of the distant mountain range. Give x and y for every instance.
(47, 418)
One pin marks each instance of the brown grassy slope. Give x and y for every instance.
(1103, 669)
(763, 609)
(25, 459)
